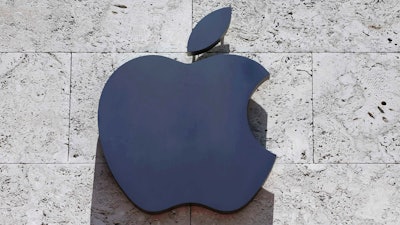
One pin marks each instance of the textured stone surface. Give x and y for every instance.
(41, 25)
(309, 25)
(45, 194)
(89, 74)
(286, 99)
(335, 194)
(111, 206)
(319, 194)
(357, 111)
(95, 26)
(34, 92)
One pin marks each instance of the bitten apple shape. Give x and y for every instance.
(175, 133)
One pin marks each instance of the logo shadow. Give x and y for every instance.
(111, 206)
(220, 49)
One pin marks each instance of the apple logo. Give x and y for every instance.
(175, 133)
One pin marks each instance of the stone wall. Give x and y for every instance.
(330, 110)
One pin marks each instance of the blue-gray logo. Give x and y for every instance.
(175, 133)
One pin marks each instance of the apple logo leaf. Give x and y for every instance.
(209, 31)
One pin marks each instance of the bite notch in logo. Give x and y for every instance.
(175, 133)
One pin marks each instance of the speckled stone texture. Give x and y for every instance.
(94, 26)
(357, 110)
(34, 105)
(335, 194)
(45, 194)
(330, 110)
(286, 99)
(309, 25)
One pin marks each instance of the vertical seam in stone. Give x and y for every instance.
(312, 106)
(192, 16)
(69, 111)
